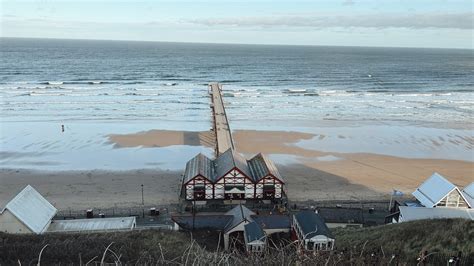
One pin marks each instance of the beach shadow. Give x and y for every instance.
(191, 138)
(307, 183)
(194, 138)
(162, 138)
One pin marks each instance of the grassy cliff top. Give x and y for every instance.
(443, 238)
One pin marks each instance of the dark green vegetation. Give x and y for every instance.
(445, 237)
(441, 238)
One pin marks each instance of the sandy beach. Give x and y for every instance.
(310, 174)
(80, 190)
(316, 173)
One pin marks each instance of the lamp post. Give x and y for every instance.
(143, 203)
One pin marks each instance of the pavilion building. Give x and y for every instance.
(231, 177)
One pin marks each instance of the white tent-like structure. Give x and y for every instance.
(30, 213)
(27, 212)
(437, 199)
(437, 191)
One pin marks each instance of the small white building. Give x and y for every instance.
(27, 212)
(311, 231)
(241, 216)
(255, 238)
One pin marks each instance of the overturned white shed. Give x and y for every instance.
(437, 191)
(27, 212)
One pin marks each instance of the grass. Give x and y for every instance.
(372, 245)
(446, 236)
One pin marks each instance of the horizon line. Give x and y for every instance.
(228, 43)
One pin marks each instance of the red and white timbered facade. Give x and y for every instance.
(199, 188)
(268, 188)
(234, 185)
(231, 177)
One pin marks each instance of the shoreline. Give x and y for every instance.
(313, 164)
(355, 177)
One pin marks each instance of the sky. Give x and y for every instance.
(387, 23)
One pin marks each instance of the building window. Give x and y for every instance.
(199, 192)
(268, 192)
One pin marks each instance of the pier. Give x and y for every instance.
(221, 126)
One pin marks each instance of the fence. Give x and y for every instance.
(138, 211)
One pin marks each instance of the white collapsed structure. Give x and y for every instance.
(437, 198)
(30, 213)
(437, 191)
(27, 212)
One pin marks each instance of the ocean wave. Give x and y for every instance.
(295, 90)
(134, 82)
(177, 79)
(48, 94)
(170, 84)
(231, 81)
(241, 94)
(380, 91)
(23, 94)
(41, 88)
(83, 82)
(53, 82)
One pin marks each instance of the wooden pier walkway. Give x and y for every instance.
(222, 131)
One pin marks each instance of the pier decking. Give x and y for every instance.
(230, 178)
(220, 122)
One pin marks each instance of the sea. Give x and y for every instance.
(95, 88)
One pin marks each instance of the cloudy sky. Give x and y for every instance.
(396, 23)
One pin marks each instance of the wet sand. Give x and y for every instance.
(310, 174)
(378, 172)
(162, 138)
